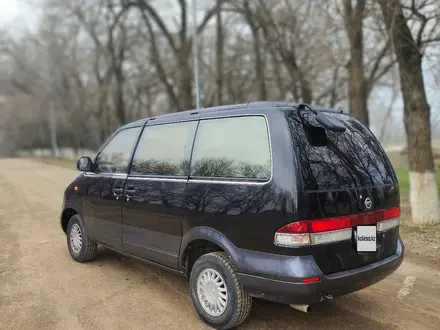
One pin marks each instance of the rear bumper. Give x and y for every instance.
(290, 290)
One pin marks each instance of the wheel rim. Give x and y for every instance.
(76, 238)
(212, 292)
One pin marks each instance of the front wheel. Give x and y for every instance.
(217, 294)
(81, 248)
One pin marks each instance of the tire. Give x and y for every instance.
(87, 249)
(238, 302)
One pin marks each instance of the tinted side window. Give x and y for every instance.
(115, 156)
(164, 150)
(236, 147)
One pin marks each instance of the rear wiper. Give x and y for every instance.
(329, 123)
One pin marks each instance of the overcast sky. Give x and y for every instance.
(9, 9)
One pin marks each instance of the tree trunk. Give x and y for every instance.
(185, 83)
(219, 55)
(119, 97)
(259, 64)
(256, 45)
(357, 87)
(53, 130)
(281, 87)
(423, 187)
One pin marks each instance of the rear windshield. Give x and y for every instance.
(332, 160)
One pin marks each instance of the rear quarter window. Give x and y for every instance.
(232, 148)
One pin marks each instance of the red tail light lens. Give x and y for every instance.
(300, 227)
(391, 213)
(335, 229)
(317, 226)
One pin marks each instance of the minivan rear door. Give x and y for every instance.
(345, 176)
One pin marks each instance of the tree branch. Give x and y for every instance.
(209, 14)
(378, 61)
(159, 67)
(423, 19)
(143, 5)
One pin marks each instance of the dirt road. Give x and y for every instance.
(41, 287)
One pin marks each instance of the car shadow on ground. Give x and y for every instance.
(268, 315)
(264, 314)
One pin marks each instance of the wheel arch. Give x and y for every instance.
(65, 217)
(211, 240)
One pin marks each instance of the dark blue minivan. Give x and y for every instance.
(271, 200)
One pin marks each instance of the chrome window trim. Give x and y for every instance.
(228, 181)
(160, 179)
(165, 179)
(106, 175)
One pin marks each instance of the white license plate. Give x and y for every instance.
(366, 238)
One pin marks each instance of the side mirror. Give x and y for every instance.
(84, 164)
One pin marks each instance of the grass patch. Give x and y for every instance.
(403, 176)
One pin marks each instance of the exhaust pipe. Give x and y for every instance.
(302, 308)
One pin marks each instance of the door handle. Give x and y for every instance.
(117, 191)
(130, 190)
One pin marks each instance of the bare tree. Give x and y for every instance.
(180, 45)
(249, 14)
(220, 37)
(283, 36)
(408, 52)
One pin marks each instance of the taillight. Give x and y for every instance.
(331, 230)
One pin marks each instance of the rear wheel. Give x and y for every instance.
(217, 294)
(81, 248)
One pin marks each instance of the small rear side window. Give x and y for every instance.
(164, 150)
(232, 148)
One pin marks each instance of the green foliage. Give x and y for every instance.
(403, 176)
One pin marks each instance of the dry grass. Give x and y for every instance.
(419, 240)
(422, 241)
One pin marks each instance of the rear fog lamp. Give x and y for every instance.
(310, 280)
